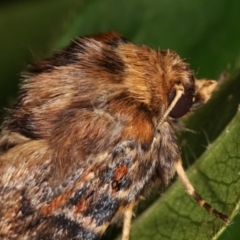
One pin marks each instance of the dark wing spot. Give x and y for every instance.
(110, 62)
(72, 229)
(79, 195)
(115, 42)
(23, 124)
(103, 208)
(5, 146)
(25, 208)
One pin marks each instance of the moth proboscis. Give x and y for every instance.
(92, 130)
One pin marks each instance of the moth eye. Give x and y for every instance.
(183, 105)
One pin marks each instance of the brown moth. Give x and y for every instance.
(92, 130)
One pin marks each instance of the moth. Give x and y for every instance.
(92, 131)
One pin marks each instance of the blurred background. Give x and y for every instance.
(204, 32)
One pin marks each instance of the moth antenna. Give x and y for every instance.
(191, 191)
(179, 93)
(127, 222)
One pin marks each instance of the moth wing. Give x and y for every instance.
(78, 205)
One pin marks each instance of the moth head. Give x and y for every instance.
(194, 93)
(193, 98)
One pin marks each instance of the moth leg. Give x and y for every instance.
(127, 222)
(191, 191)
(179, 92)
